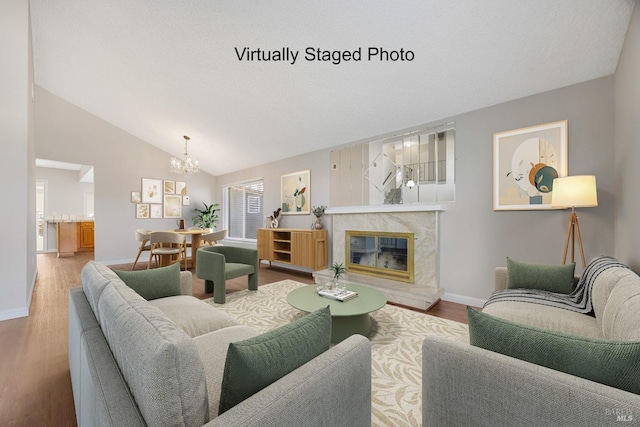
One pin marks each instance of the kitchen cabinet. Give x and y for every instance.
(67, 235)
(85, 235)
(74, 236)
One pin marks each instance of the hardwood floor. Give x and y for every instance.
(35, 387)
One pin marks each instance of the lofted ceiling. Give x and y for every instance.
(160, 69)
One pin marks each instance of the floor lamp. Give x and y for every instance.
(574, 192)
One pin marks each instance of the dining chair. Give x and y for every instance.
(167, 243)
(213, 238)
(142, 236)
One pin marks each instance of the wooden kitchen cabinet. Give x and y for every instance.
(85, 235)
(67, 236)
(299, 247)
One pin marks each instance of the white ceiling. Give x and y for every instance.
(160, 69)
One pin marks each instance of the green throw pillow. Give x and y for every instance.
(552, 278)
(255, 363)
(610, 362)
(156, 283)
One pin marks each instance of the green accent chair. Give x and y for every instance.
(217, 264)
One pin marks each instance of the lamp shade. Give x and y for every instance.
(577, 191)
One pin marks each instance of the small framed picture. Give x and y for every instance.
(186, 200)
(135, 197)
(155, 211)
(181, 188)
(142, 210)
(169, 187)
(151, 190)
(172, 206)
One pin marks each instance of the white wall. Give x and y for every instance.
(18, 254)
(65, 196)
(627, 149)
(67, 133)
(474, 238)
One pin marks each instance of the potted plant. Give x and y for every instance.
(207, 217)
(338, 270)
(318, 212)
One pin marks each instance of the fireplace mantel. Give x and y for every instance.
(384, 208)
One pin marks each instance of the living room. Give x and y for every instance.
(474, 239)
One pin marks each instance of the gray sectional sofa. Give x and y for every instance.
(135, 362)
(468, 385)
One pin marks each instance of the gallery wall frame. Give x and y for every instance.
(295, 193)
(142, 210)
(169, 187)
(525, 162)
(151, 190)
(155, 211)
(172, 206)
(135, 197)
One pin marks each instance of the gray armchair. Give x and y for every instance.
(217, 264)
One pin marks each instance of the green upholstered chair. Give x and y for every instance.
(217, 264)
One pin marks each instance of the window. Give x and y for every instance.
(243, 214)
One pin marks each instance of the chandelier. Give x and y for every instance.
(185, 165)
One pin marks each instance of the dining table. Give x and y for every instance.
(196, 234)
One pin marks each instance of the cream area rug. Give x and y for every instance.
(396, 346)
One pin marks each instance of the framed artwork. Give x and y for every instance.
(155, 211)
(142, 210)
(169, 187)
(181, 188)
(172, 206)
(135, 197)
(295, 193)
(525, 163)
(186, 200)
(151, 190)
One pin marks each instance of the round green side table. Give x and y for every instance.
(347, 318)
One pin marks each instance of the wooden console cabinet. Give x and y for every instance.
(299, 247)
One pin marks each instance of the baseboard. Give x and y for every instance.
(461, 299)
(14, 313)
(122, 261)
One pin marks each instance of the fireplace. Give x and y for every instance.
(381, 254)
(421, 289)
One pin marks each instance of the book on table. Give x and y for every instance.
(338, 294)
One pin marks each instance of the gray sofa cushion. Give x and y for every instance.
(546, 317)
(552, 278)
(158, 360)
(152, 284)
(608, 362)
(192, 315)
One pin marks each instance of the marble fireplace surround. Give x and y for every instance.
(422, 221)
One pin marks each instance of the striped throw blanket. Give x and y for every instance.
(579, 300)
